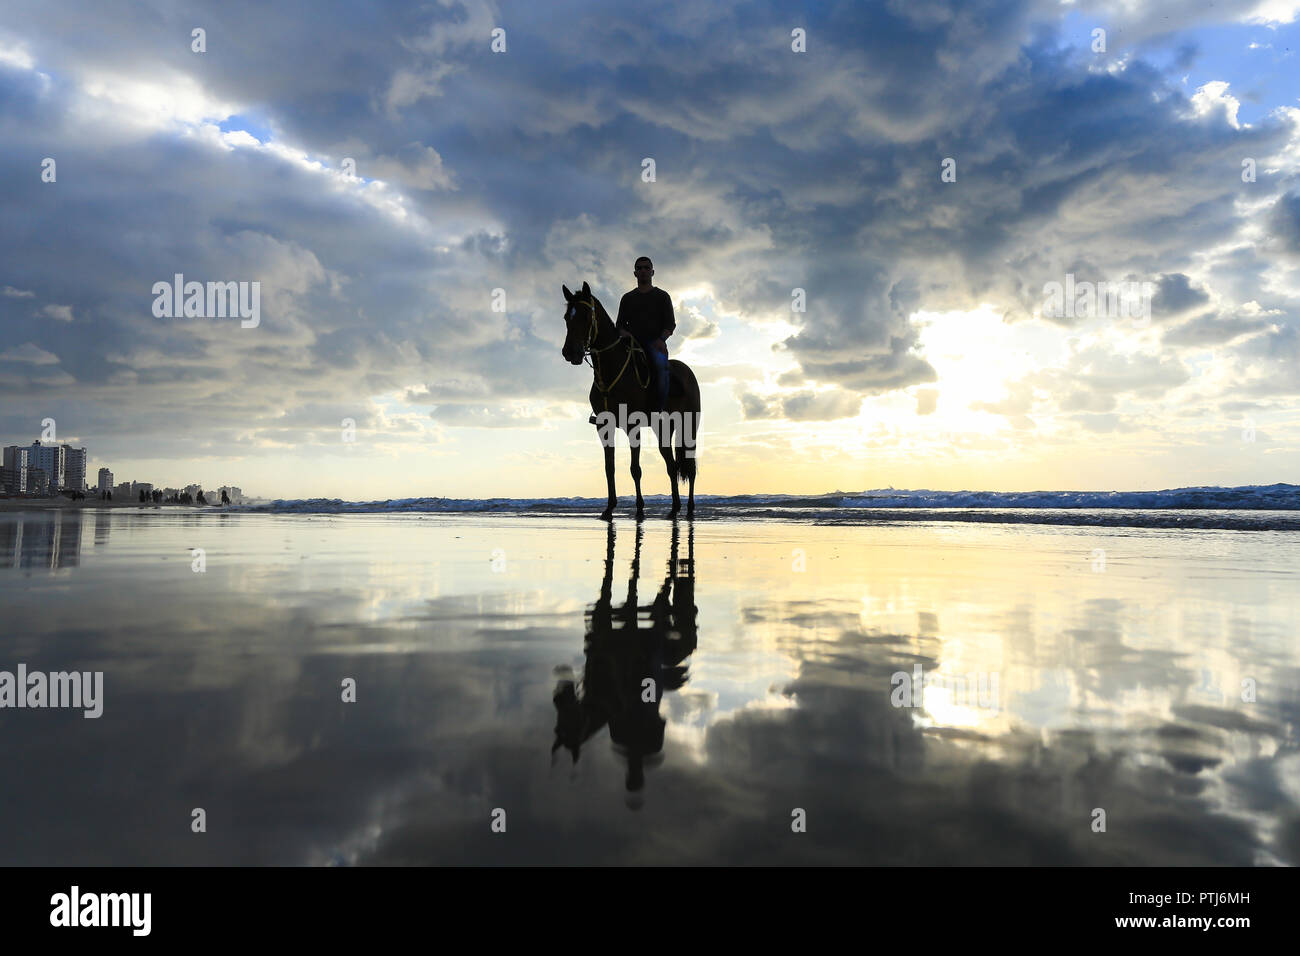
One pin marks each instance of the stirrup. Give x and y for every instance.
(591, 419)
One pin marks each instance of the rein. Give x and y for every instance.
(589, 349)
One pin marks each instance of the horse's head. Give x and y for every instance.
(580, 319)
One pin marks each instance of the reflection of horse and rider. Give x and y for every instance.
(634, 383)
(634, 655)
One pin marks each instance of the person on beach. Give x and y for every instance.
(646, 314)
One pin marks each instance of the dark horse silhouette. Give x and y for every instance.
(635, 654)
(620, 393)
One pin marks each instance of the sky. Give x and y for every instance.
(411, 200)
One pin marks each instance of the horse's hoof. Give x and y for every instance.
(607, 514)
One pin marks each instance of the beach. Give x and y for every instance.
(517, 688)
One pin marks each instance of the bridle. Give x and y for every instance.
(589, 349)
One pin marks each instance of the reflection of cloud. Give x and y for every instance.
(234, 705)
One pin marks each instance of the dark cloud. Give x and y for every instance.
(755, 406)
(820, 406)
(801, 406)
(1174, 296)
(516, 171)
(1284, 223)
(1211, 329)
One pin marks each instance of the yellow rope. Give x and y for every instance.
(633, 346)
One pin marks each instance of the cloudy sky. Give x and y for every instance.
(923, 357)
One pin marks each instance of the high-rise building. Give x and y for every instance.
(16, 460)
(105, 480)
(51, 459)
(75, 476)
(38, 482)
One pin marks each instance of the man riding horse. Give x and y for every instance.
(634, 384)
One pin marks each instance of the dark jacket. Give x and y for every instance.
(646, 315)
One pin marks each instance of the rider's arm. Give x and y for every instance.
(621, 322)
(670, 323)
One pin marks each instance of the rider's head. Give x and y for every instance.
(643, 269)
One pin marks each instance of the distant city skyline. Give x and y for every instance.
(68, 468)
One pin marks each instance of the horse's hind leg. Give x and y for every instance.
(685, 452)
(663, 432)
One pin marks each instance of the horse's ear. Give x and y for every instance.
(568, 296)
(586, 288)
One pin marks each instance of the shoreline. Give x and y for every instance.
(1173, 519)
(67, 504)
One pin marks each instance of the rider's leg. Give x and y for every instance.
(661, 380)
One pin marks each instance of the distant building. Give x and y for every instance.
(169, 492)
(16, 460)
(236, 494)
(138, 486)
(38, 482)
(193, 490)
(123, 490)
(105, 480)
(51, 459)
(75, 469)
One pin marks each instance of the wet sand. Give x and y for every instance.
(708, 692)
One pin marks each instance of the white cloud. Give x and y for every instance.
(420, 168)
(27, 352)
(1214, 96)
(16, 56)
(1273, 11)
(154, 103)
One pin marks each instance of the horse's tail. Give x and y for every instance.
(685, 451)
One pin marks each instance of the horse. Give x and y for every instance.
(620, 395)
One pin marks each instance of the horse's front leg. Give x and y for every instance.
(635, 444)
(607, 440)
